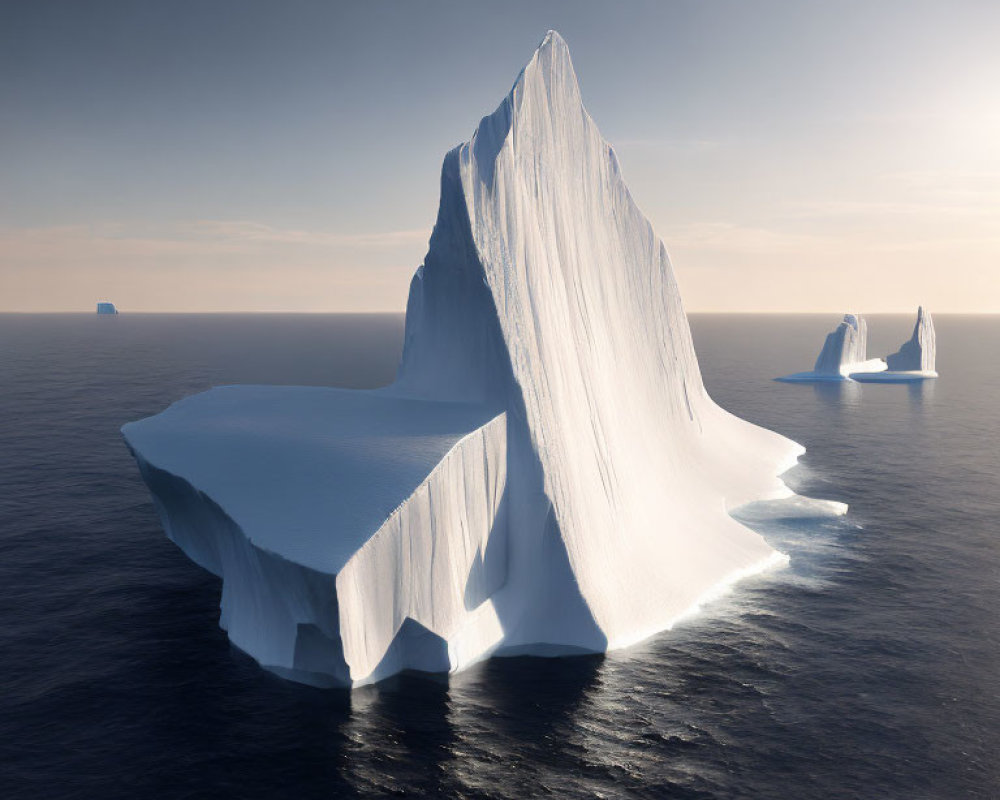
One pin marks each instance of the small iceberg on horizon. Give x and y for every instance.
(914, 361)
(106, 307)
(844, 355)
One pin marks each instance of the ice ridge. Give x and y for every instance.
(919, 353)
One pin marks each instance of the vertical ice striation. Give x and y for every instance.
(546, 293)
(845, 348)
(919, 354)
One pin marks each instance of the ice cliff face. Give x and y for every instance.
(547, 474)
(845, 348)
(546, 293)
(919, 354)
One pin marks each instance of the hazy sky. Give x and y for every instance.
(285, 156)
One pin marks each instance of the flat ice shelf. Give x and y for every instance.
(308, 473)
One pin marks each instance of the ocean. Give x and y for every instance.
(867, 668)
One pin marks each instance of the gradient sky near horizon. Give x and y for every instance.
(251, 156)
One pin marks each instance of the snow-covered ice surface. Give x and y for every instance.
(916, 358)
(547, 475)
(317, 459)
(844, 354)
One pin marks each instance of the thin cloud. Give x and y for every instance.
(243, 230)
(672, 145)
(65, 244)
(725, 236)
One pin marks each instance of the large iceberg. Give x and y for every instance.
(916, 358)
(547, 475)
(844, 354)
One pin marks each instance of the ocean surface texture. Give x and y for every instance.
(870, 667)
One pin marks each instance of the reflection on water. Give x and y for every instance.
(509, 723)
(837, 393)
(525, 700)
(921, 392)
(840, 394)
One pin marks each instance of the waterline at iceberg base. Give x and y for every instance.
(547, 474)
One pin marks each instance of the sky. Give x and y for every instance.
(208, 155)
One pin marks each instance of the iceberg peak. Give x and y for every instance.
(546, 89)
(916, 359)
(552, 37)
(550, 73)
(919, 353)
(551, 51)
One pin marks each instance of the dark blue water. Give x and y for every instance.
(867, 669)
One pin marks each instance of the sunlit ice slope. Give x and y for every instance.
(547, 294)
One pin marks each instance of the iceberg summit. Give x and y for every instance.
(547, 475)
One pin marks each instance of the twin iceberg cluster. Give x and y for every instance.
(844, 356)
(547, 474)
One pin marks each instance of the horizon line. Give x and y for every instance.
(403, 313)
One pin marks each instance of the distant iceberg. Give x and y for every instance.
(547, 475)
(916, 358)
(104, 307)
(844, 354)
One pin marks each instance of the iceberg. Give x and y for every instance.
(547, 474)
(104, 307)
(844, 354)
(916, 358)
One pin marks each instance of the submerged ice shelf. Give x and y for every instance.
(547, 474)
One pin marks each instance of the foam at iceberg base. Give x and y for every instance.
(844, 355)
(547, 475)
